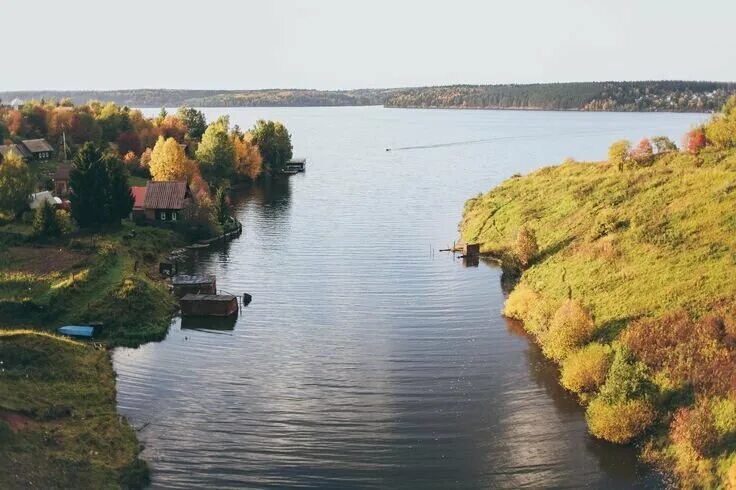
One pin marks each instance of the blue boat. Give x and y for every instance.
(85, 331)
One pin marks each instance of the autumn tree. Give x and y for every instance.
(618, 153)
(216, 153)
(168, 161)
(113, 120)
(129, 141)
(643, 153)
(172, 127)
(16, 183)
(247, 157)
(274, 143)
(694, 141)
(194, 121)
(100, 193)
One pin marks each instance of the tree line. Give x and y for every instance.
(668, 95)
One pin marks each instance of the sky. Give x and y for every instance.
(333, 44)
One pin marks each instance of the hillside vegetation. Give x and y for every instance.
(626, 274)
(59, 426)
(676, 96)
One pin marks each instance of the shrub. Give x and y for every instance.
(606, 222)
(694, 141)
(695, 428)
(687, 351)
(571, 327)
(585, 370)
(618, 153)
(663, 144)
(520, 302)
(627, 379)
(619, 422)
(526, 245)
(732, 476)
(45, 222)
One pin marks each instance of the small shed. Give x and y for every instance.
(61, 179)
(139, 197)
(209, 305)
(471, 249)
(196, 284)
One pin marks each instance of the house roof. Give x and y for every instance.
(165, 195)
(139, 195)
(19, 149)
(63, 171)
(36, 146)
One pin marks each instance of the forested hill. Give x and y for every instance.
(672, 96)
(675, 96)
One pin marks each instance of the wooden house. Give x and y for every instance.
(39, 149)
(166, 201)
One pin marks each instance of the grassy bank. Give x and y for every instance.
(630, 289)
(59, 426)
(58, 422)
(110, 277)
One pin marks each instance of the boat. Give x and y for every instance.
(82, 331)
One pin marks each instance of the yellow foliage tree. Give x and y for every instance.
(247, 160)
(571, 327)
(168, 161)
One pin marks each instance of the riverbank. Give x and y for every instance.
(60, 425)
(631, 292)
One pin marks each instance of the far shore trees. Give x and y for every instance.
(274, 143)
(100, 193)
(16, 184)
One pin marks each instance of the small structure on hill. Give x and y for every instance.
(61, 179)
(166, 201)
(139, 196)
(36, 200)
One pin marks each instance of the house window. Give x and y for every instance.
(173, 216)
(163, 215)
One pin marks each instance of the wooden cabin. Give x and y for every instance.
(208, 305)
(61, 179)
(39, 149)
(166, 201)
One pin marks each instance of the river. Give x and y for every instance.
(369, 359)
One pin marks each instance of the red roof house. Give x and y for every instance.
(166, 201)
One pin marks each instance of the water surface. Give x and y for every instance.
(368, 358)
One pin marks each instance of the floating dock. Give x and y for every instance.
(196, 284)
(221, 305)
(294, 166)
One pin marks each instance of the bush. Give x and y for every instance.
(732, 477)
(45, 222)
(520, 302)
(619, 422)
(606, 222)
(695, 428)
(585, 371)
(526, 245)
(699, 353)
(627, 379)
(570, 328)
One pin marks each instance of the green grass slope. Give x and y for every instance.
(647, 255)
(59, 427)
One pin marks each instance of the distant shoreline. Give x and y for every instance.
(638, 96)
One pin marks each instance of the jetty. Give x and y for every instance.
(294, 166)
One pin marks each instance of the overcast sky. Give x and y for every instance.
(334, 44)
